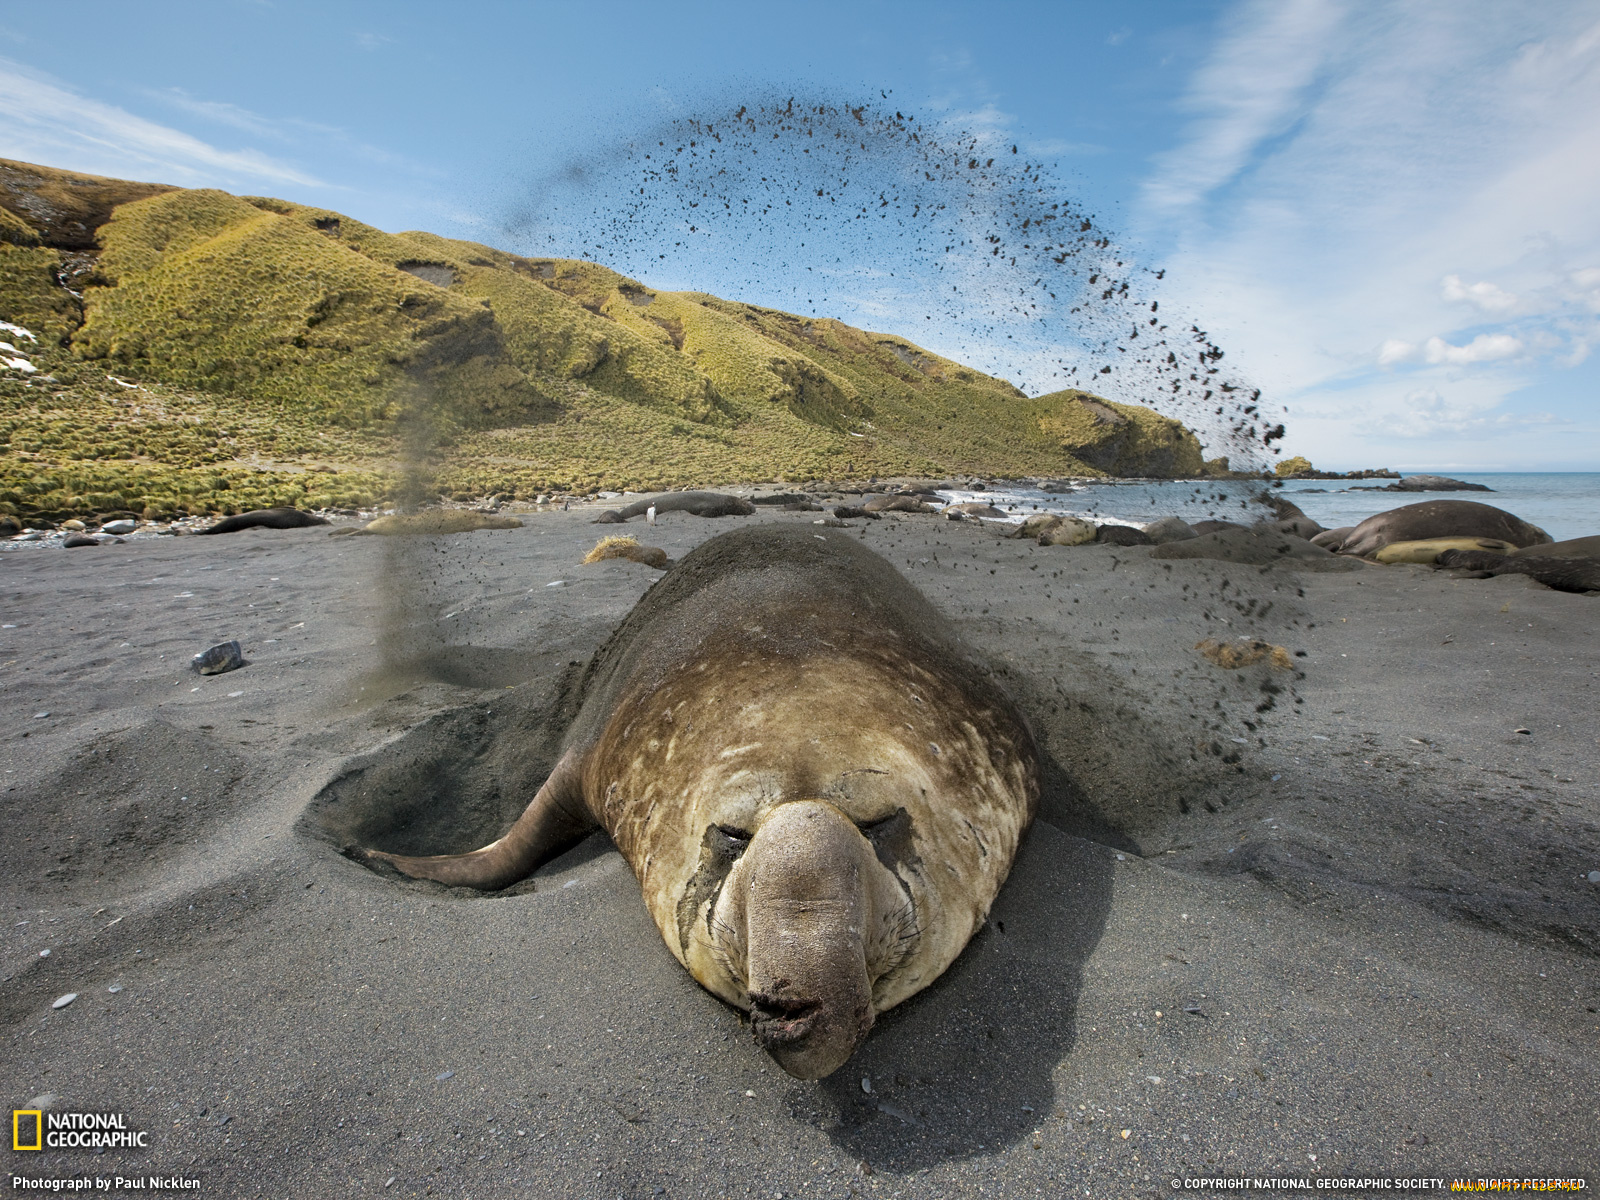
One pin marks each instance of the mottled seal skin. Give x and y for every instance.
(699, 504)
(1435, 519)
(819, 788)
(266, 518)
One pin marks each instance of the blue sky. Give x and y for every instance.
(1387, 213)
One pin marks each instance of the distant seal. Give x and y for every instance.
(1434, 519)
(1564, 574)
(699, 504)
(974, 508)
(911, 503)
(818, 786)
(266, 518)
(1583, 547)
(1427, 552)
(432, 522)
(1123, 535)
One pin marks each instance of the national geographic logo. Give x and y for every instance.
(34, 1129)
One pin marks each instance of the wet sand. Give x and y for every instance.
(1323, 922)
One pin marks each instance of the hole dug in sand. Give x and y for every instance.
(453, 783)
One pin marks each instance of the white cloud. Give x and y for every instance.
(1396, 350)
(1486, 347)
(1117, 36)
(1417, 177)
(1485, 295)
(41, 121)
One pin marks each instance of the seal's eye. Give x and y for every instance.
(727, 842)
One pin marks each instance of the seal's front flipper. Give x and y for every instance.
(555, 820)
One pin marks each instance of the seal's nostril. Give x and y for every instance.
(777, 1020)
(765, 1007)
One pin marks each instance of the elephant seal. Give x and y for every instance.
(1122, 535)
(1581, 547)
(699, 504)
(1564, 574)
(911, 503)
(430, 523)
(818, 786)
(1435, 519)
(1427, 553)
(266, 518)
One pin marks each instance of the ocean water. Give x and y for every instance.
(1565, 504)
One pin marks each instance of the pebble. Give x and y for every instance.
(32, 535)
(119, 527)
(1594, 876)
(443, 1075)
(44, 954)
(75, 540)
(1520, 730)
(65, 1000)
(74, 524)
(557, 583)
(866, 1084)
(114, 988)
(39, 716)
(225, 657)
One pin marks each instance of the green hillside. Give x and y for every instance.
(202, 351)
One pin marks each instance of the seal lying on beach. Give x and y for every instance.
(699, 504)
(1435, 519)
(819, 788)
(266, 518)
(1574, 574)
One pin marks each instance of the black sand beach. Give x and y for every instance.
(1329, 921)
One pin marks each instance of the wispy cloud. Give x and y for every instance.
(1417, 178)
(286, 131)
(1253, 88)
(47, 122)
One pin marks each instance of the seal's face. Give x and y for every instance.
(808, 920)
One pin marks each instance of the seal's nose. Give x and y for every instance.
(780, 1021)
(810, 995)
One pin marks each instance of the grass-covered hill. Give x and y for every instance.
(197, 350)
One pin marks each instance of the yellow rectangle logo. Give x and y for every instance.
(17, 1123)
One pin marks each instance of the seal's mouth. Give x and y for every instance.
(780, 1021)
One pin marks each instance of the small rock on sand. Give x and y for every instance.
(224, 657)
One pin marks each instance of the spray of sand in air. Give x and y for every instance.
(955, 240)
